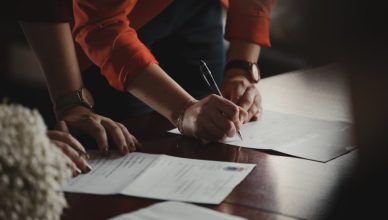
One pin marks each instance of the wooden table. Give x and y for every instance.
(280, 187)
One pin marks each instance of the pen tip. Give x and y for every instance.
(239, 134)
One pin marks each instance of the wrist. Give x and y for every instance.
(244, 68)
(78, 98)
(235, 74)
(181, 115)
(71, 111)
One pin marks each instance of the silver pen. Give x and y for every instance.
(211, 83)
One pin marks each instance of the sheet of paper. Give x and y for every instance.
(110, 174)
(161, 177)
(176, 211)
(309, 138)
(190, 180)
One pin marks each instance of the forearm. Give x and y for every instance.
(54, 47)
(243, 50)
(155, 88)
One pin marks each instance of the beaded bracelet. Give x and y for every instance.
(179, 122)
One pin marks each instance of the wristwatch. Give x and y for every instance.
(251, 70)
(79, 97)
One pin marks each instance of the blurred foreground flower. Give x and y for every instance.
(32, 169)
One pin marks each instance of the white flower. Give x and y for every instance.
(32, 169)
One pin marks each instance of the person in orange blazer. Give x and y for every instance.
(148, 53)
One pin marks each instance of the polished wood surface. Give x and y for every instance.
(280, 186)
(322, 92)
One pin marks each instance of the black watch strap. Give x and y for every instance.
(251, 70)
(239, 64)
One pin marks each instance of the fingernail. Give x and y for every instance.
(78, 171)
(84, 154)
(88, 168)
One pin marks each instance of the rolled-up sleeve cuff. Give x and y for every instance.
(252, 28)
(120, 68)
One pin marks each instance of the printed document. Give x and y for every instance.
(176, 211)
(309, 138)
(158, 176)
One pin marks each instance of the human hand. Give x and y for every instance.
(239, 90)
(79, 119)
(212, 118)
(72, 149)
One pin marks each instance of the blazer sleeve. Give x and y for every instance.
(249, 20)
(104, 32)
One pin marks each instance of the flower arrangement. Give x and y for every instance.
(32, 169)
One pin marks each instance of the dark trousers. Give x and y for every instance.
(183, 34)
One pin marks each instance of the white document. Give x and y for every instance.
(161, 177)
(176, 211)
(314, 139)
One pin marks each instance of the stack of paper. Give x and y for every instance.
(176, 211)
(314, 139)
(161, 177)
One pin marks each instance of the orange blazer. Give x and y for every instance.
(106, 31)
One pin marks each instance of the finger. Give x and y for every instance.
(234, 92)
(258, 114)
(80, 162)
(255, 110)
(214, 132)
(243, 116)
(252, 111)
(235, 95)
(248, 98)
(132, 142)
(116, 133)
(70, 140)
(223, 124)
(209, 132)
(225, 106)
(93, 128)
(74, 169)
(62, 126)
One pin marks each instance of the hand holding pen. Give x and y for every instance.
(210, 82)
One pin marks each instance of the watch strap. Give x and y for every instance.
(251, 70)
(239, 64)
(75, 98)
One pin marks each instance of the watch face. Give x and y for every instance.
(255, 73)
(86, 98)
